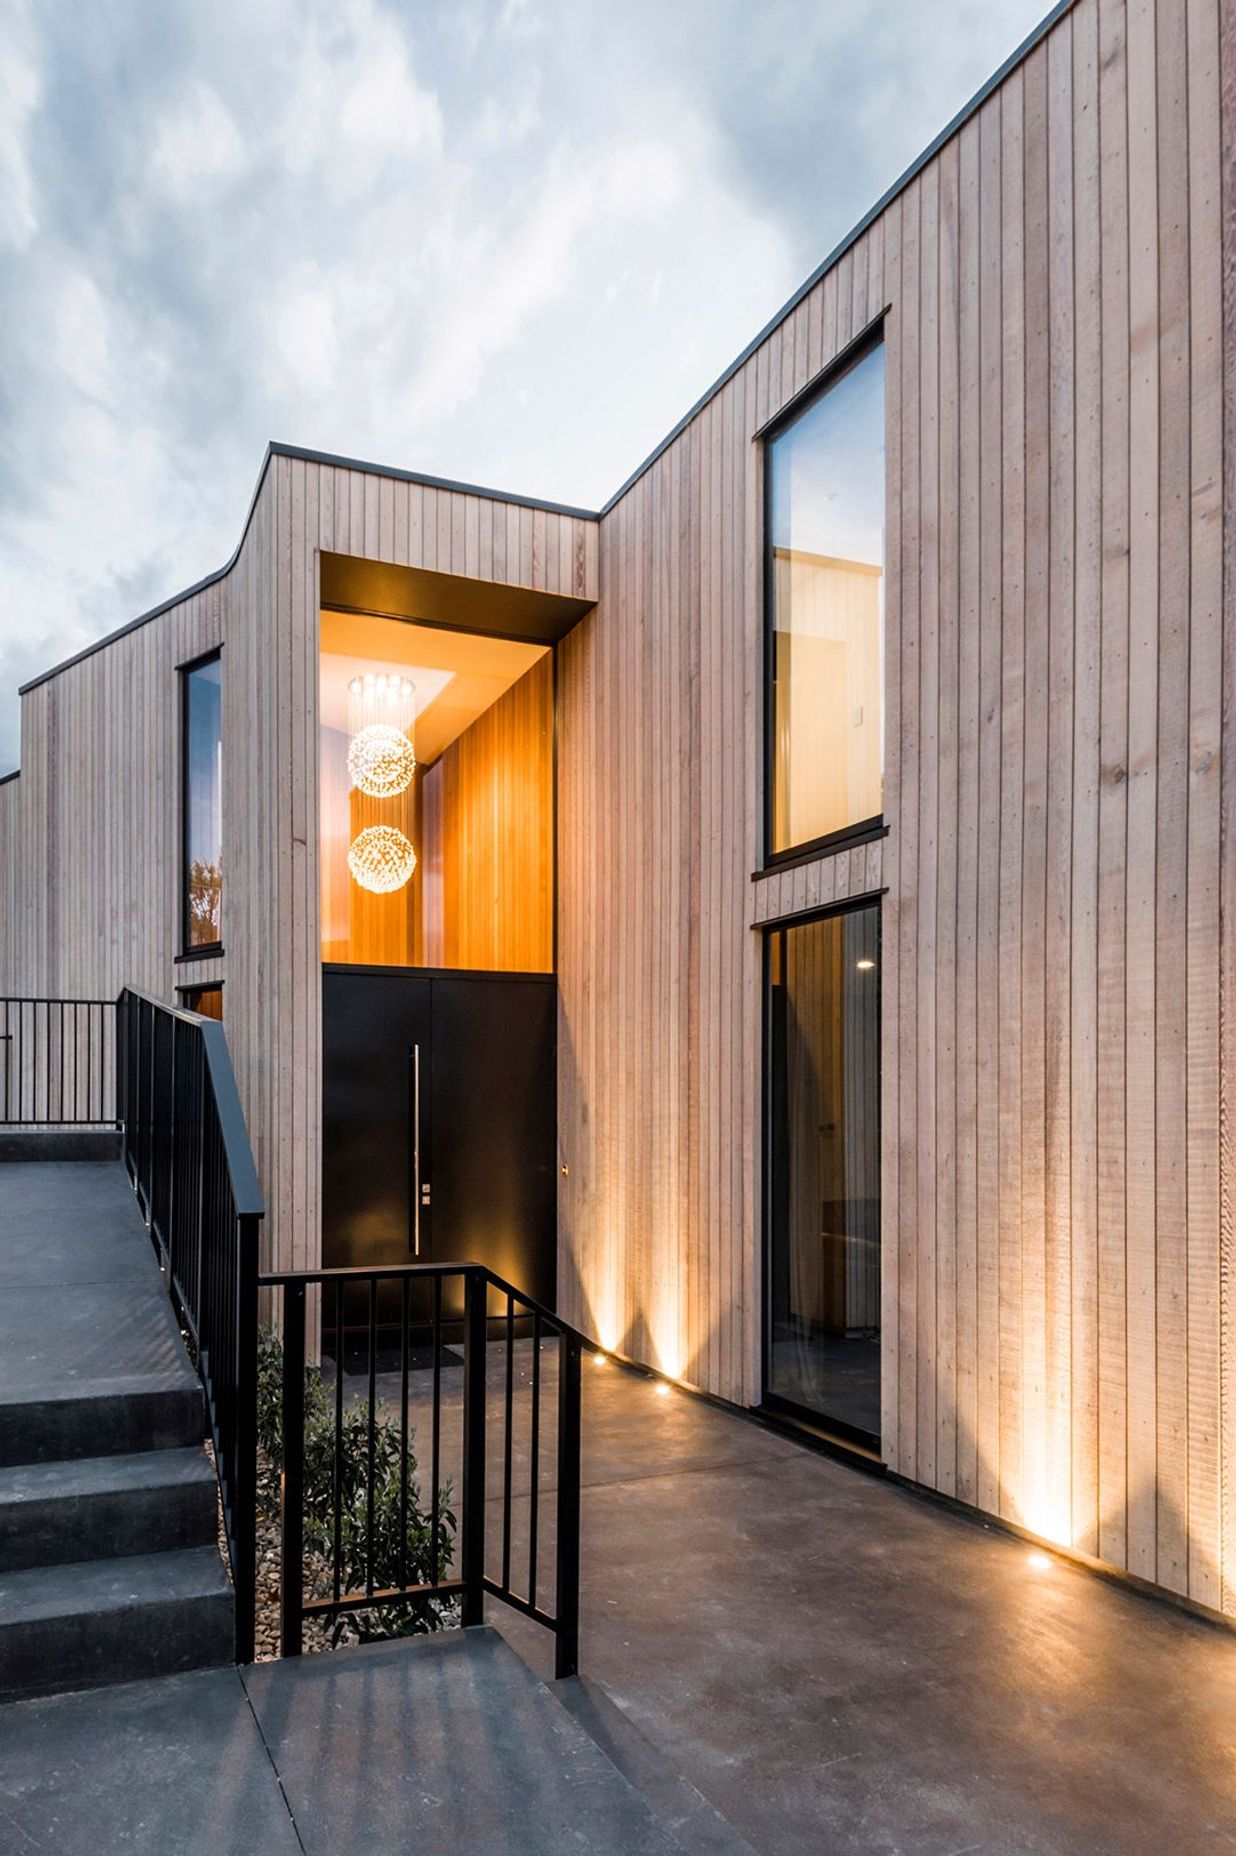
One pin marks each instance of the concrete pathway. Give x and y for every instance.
(840, 1665)
(782, 1655)
(431, 1747)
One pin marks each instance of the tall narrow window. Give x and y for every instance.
(823, 1120)
(202, 721)
(825, 507)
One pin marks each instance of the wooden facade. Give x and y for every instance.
(1059, 1299)
(92, 826)
(1056, 284)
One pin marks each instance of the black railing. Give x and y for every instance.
(58, 1063)
(425, 1307)
(188, 1154)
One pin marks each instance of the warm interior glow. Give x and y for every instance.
(381, 761)
(381, 859)
(445, 739)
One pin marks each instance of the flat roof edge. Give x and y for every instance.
(852, 237)
(435, 483)
(276, 450)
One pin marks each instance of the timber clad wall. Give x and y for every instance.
(1059, 955)
(96, 812)
(1059, 922)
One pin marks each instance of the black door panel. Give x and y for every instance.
(480, 1053)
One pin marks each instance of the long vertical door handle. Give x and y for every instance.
(416, 1150)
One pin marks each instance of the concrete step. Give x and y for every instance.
(106, 1507)
(448, 1743)
(87, 1418)
(98, 1622)
(47, 1144)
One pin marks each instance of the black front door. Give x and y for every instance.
(439, 1121)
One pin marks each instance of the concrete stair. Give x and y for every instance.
(109, 1568)
(151, 1501)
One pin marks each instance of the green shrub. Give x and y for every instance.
(420, 1615)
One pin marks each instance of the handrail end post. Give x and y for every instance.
(291, 1572)
(566, 1648)
(473, 1528)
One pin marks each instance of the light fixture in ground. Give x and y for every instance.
(864, 966)
(380, 760)
(381, 859)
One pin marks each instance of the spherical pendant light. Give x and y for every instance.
(381, 859)
(380, 761)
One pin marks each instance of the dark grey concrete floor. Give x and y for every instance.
(431, 1748)
(841, 1665)
(834, 1663)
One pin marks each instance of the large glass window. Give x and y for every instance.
(202, 693)
(437, 797)
(823, 1349)
(826, 611)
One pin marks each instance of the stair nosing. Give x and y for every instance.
(70, 1478)
(17, 1611)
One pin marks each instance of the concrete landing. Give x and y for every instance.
(437, 1746)
(90, 1357)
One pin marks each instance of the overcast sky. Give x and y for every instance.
(508, 242)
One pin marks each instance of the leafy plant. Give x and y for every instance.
(360, 1552)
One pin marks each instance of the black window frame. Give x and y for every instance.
(848, 1439)
(189, 949)
(189, 993)
(862, 831)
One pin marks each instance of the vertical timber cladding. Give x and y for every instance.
(320, 507)
(92, 896)
(1059, 1302)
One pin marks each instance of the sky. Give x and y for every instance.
(506, 242)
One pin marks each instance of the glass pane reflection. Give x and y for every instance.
(824, 1163)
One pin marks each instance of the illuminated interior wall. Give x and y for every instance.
(477, 811)
(829, 745)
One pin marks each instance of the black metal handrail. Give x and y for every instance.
(188, 1155)
(473, 1581)
(58, 1063)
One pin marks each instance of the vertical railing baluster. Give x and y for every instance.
(291, 1577)
(534, 1451)
(403, 1432)
(338, 1457)
(436, 1422)
(508, 1441)
(566, 1657)
(371, 1433)
(242, 1470)
(473, 1529)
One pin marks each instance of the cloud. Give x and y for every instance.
(506, 240)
